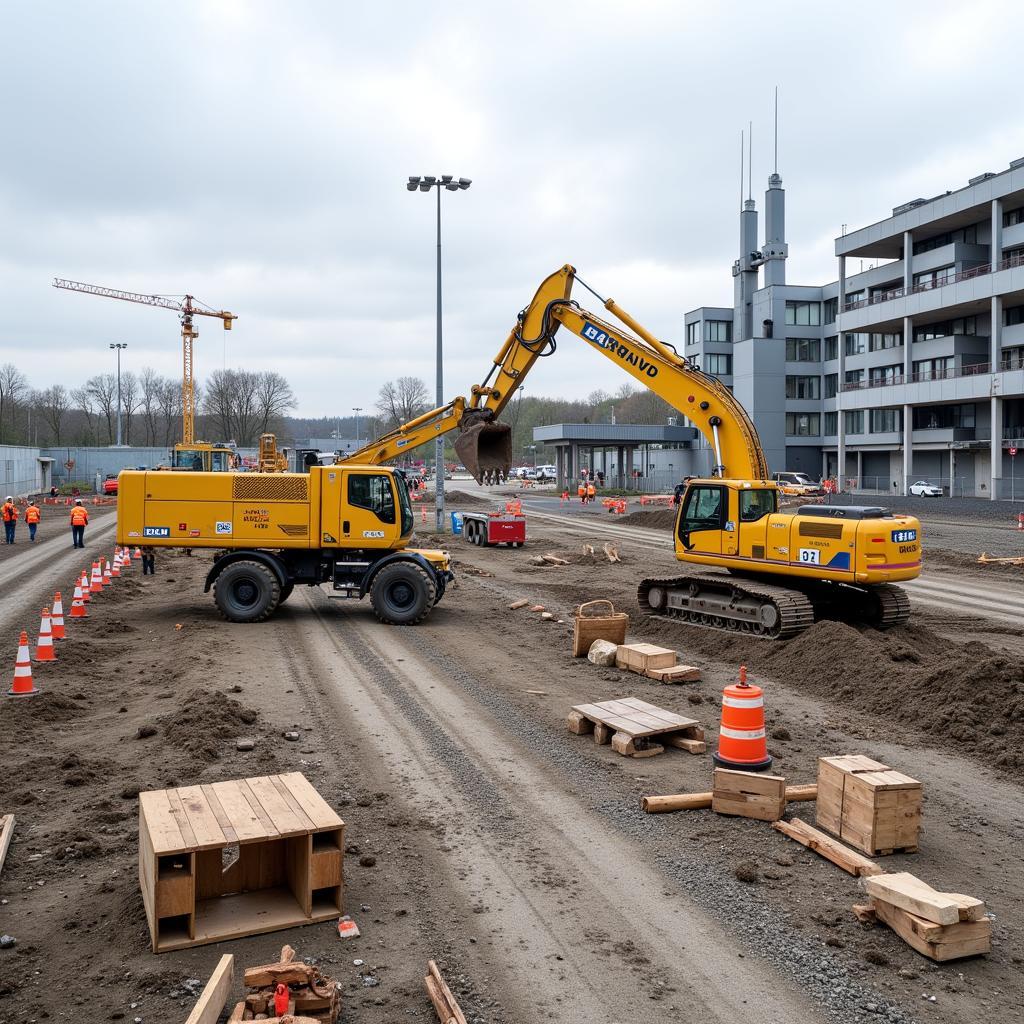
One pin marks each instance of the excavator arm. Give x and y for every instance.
(484, 445)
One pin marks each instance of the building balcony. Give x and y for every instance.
(946, 435)
(967, 370)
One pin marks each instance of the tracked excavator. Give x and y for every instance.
(762, 572)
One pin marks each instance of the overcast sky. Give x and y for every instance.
(255, 155)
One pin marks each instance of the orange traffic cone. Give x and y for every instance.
(96, 582)
(127, 559)
(78, 604)
(741, 738)
(22, 685)
(424, 511)
(138, 552)
(115, 566)
(107, 577)
(44, 646)
(84, 584)
(57, 617)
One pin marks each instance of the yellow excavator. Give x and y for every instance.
(771, 574)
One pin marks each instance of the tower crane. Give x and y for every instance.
(188, 307)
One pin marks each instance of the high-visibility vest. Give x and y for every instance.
(10, 512)
(32, 514)
(79, 516)
(591, 490)
(581, 490)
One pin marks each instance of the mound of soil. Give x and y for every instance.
(656, 519)
(960, 560)
(460, 500)
(204, 719)
(962, 694)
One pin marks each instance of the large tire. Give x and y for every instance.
(247, 592)
(286, 592)
(402, 594)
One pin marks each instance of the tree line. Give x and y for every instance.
(236, 405)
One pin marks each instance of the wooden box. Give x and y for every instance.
(237, 858)
(748, 794)
(641, 658)
(868, 805)
(597, 620)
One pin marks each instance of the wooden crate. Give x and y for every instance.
(597, 620)
(642, 658)
(868, 804)
(237, 858)
(748, 794)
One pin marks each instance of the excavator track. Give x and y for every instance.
(893, 606)
(718, 601)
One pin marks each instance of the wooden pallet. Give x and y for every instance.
(629, 724)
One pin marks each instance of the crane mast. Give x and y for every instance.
(187, 308)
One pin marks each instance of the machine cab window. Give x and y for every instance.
(372, 491)
(757, 503)
(705, 509)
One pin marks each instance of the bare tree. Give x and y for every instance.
(13, 387)
(169, 400)
(54, 404)
(149, 402)
(402, 400)
(103, 389)
(232, 403)
(274, 398)
(131, 398)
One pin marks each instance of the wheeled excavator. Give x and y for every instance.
(763, 572)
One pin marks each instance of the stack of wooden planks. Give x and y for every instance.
(748, 795)
(940, 925)
(445, 1004)
(657, 663)
(312, 997)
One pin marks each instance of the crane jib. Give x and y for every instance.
(602, 339)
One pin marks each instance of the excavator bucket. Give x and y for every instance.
(485, 449)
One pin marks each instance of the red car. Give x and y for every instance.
(110, 484)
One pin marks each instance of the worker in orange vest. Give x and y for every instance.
(79, 520)
(581, 491)
(32, 517)
(9, 514)
(591, 491)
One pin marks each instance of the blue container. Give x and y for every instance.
(456, 523)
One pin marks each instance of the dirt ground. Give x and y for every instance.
(479, 831)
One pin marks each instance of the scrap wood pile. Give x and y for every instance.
(312, 997)
(984, 559)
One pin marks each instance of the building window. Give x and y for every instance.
(853, 377)
(832, 348)
(1011, 217)
(852, 297)
(934, 278)
(944, 417)
(693, 333)
(803, 314)
(965, 325)
(719, 365)
(1014, 315)
(831, 385)
(968, 234)
(803, 387)
(884, 375)
(831, 424)
(934, 369)
(853, 421)
(854, 344)
(718, 330)
(803, 424)
(803, 350)
(885, 421)
(879, 342)
(831, 310)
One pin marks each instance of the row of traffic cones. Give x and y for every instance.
(51, 627)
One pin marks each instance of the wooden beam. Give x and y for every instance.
(909, 893)
(827, 847)
(696, 801)
(6, 831)
(445, 1004)
(212, 999)
(937, 942)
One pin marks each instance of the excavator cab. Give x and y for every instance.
(484, 447)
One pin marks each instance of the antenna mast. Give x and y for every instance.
(750, 163)
(776, 129)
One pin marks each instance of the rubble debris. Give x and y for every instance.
(602, 652)
(313, 997)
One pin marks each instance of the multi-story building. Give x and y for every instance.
(910, 369)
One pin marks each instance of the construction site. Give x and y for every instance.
(704, 756)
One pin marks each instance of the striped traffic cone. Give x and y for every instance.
(84, 584)
(115, 566)
(96, 582)
(78, 604)
(138, 552)
(57, 617)
(22, 685)
(44, 646)
(107, 577)
(127, 559)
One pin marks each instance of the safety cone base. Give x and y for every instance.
(743, 766)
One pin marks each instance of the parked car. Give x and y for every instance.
(923, 489)
(110, 484)
(797, 483)
(546, 474)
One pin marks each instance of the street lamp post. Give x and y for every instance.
(357, 409)
(425, 184)
(119, 345)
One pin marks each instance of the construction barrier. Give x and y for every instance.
(742, 743)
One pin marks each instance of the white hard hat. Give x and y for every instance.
(78, 501)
